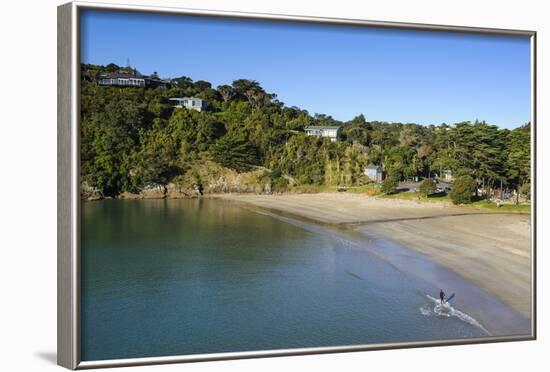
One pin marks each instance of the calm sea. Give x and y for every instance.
(177, 277)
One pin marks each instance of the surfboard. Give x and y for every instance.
(450, 298)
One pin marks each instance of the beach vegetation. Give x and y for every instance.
(463, 190)
(525, 190)
(523, 208)
(389, 185)
(427, 187)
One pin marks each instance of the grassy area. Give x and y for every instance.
(311, 189)
(444, 198)
(412, 196)
(417, 197)
(368, 189)
(306, 189)
(505, 208)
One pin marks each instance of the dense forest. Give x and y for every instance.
(133, 137)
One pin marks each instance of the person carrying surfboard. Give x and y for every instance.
(442, 296)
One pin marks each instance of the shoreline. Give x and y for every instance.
(230, 195)
(490, 249)
(472, 305)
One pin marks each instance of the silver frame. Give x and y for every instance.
(68, 192)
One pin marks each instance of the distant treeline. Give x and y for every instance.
(133, 137)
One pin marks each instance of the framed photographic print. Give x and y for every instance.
(235, 185)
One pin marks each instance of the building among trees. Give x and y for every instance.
(191, 103)
(332, 132)
(374, 173)
(131, 78)
(447, 175)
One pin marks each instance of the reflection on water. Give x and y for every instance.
(177, 277)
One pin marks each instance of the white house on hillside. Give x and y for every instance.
(321, 131)
(190, 103)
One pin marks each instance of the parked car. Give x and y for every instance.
(443, 187)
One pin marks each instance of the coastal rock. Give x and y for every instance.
(89, 193)
(129, 195)
(203, 179)
(173, 191)
(229, 184)
(233, 182)
(153, 191)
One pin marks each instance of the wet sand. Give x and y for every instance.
(493, 250)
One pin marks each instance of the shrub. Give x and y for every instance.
(389, 185)
(463, 188)
(427, 187)
(279, 184)
(525, 190)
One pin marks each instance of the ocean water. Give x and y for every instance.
(180, 277)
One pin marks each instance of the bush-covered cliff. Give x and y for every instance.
(133, 141)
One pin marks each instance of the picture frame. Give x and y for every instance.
(69, 200)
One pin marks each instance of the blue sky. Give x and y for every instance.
(385, 74)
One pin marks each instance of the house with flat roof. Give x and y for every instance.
(374, 173)
(191, 103)
(122, 79)
(332, 132)
(131, 78)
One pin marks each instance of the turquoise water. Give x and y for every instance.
(179, 277)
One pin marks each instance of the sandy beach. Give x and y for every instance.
(493, 250)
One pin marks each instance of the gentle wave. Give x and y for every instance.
(435, 308)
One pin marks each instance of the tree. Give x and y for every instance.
(156, 162)
(427, 187)
(357, 130)
(202, 85)
(227, 92)
(108, 160)
(423, 153)
(235, 153)
(326, 120)
(389, 185)
(463, 190)
(111, 67)
(183, 82)
(519, 157)
(525, 189)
